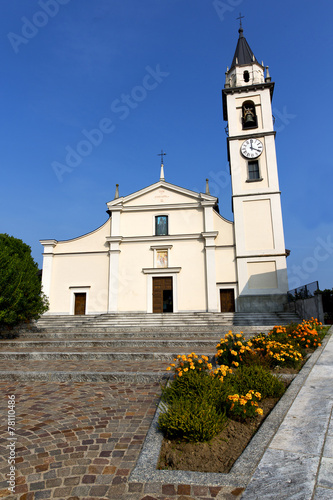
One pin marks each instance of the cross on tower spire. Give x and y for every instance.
(240, 20)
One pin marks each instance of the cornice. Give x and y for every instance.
(161, 270)
(52, 243)
(260, 256)
(256, 135)
(261, 193)
(171, 206)
(249, 88)
(68, 254)
(159, 240)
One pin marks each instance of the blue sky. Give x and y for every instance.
(68, 64)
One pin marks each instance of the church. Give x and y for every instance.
(167, 249)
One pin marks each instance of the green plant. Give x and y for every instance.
(243, 407)
(233, 349)
(259, 379)
(277, 353)
(190, 363)
(195, 386)
(192, 420)
(21, 298)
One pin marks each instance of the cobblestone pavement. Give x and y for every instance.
(81, 440)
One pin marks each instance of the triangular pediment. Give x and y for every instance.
(162, 193)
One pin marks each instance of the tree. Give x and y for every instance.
(21, 297)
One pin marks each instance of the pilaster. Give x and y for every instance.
(210, 270)
(47, 265)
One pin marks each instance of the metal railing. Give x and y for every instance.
(303, 292)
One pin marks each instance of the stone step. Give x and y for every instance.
(116, 345)
(134, 347)
(94, 355)
(177, 319)
(77, 333)
(75, 370)
(171, 321)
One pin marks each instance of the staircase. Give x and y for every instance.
(120, 347)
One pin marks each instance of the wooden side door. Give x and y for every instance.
(80, 304)
(227, 298)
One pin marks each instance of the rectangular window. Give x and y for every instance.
(161, 225)
(253, 170)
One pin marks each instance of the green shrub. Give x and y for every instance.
(194, 408)
(196, 386)
(259, 379)
(192, 420)
(21, 298)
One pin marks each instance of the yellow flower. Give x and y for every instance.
(200, 361)
(180, 374)
(259, 411)
(173, 364)
(209, 366)
(168, 368)
(185, 369)
(234, 353)
(235, 363)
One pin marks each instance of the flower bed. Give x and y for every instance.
(206, 408)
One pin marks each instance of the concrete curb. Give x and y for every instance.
(145, 470)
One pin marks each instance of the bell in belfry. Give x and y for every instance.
(249, 118)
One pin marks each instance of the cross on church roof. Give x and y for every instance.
(161, 154)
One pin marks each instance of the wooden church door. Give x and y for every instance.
(162, 295)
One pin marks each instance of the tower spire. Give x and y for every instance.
(243, 54)
(162, 154)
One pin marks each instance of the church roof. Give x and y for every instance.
(243, 53)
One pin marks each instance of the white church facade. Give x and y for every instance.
(167, 249)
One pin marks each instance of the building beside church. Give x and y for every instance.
(167, 249)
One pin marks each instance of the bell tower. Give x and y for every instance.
(260, 248)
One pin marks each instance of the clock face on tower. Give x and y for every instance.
(251, 148)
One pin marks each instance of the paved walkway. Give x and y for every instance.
(298, 464)
(81, 440)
